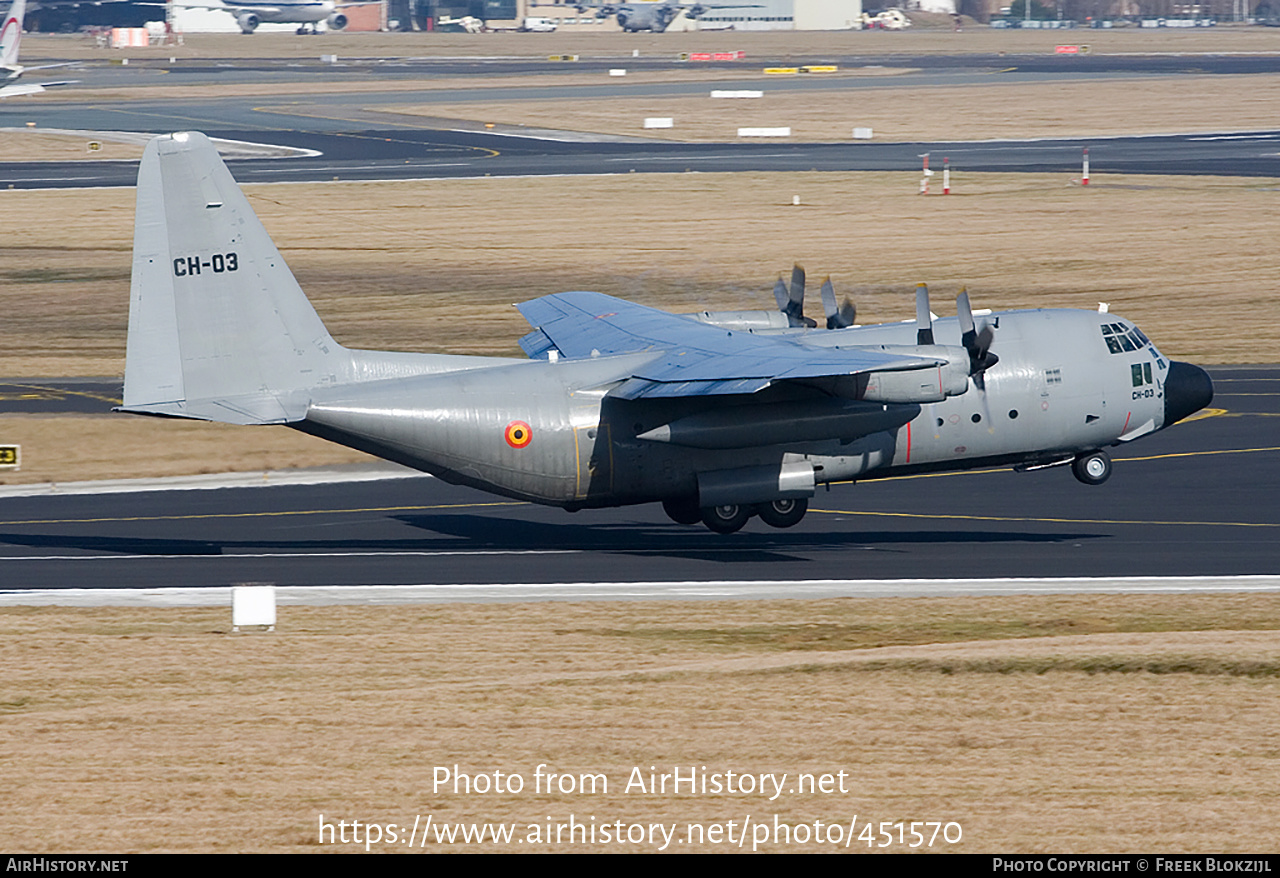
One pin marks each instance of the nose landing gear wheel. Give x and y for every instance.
(1092, 469)
(725, 519)
(783, 513)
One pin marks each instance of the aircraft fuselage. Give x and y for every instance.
(721, 416)
(546, 431)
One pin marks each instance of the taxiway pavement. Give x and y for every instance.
(405, 154)
(359, 144)
(1196, 500)
(1199, 499)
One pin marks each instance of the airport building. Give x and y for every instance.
(787, 15)
(742, 15)
(739, 15)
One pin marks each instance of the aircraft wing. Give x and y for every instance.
(691, 358)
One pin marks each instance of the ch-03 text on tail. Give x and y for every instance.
(717, 415)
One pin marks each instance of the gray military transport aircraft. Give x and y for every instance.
(654, 16)
(718, 416)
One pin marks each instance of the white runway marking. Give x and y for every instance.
(814, 589)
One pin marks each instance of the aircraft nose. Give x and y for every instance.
(1187, 390)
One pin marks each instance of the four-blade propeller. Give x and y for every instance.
(976, 338)
(791, 302)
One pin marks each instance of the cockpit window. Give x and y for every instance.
(1122, 339)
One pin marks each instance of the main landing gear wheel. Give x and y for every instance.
(783, 513)
(1092, 469)
(725, 519)
(682, 510)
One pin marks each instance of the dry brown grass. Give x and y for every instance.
(1150, 725)
(70, 448)
(1058, 109)
(436, 265)
(758, 46)
(32, 145)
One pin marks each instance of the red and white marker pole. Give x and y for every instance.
(946, 176)
(1084, 176)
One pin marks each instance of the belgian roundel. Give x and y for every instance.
(518, 434)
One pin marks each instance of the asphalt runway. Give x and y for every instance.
(1200, 499)
(421, 154)
(358, 143)
(37, 396)
(223, 71)
(1197, 500)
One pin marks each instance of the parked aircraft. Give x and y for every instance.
(10, 69)
(719, 418)
(307, 14)
(654, 16)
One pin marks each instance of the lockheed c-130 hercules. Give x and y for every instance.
(719, 416)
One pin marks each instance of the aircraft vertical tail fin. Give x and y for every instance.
(11, 36)
(218, 327)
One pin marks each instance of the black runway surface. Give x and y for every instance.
(396, 154)
(1198, 499)
(38, 396)
(1202, 498)
(358, 144)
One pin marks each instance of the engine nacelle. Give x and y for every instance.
(248, 22)
(951, 378)
(929, 384)
(743, 320)
(337, 21)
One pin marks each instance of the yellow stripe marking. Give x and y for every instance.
(1000, 518)
(59, 393)
(1200, 453)
(1202, 414)
(1008, 469)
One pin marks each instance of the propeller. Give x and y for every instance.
(924, 318)
(976, 340)
(780, 294)
(791, 299)
(841, 317)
